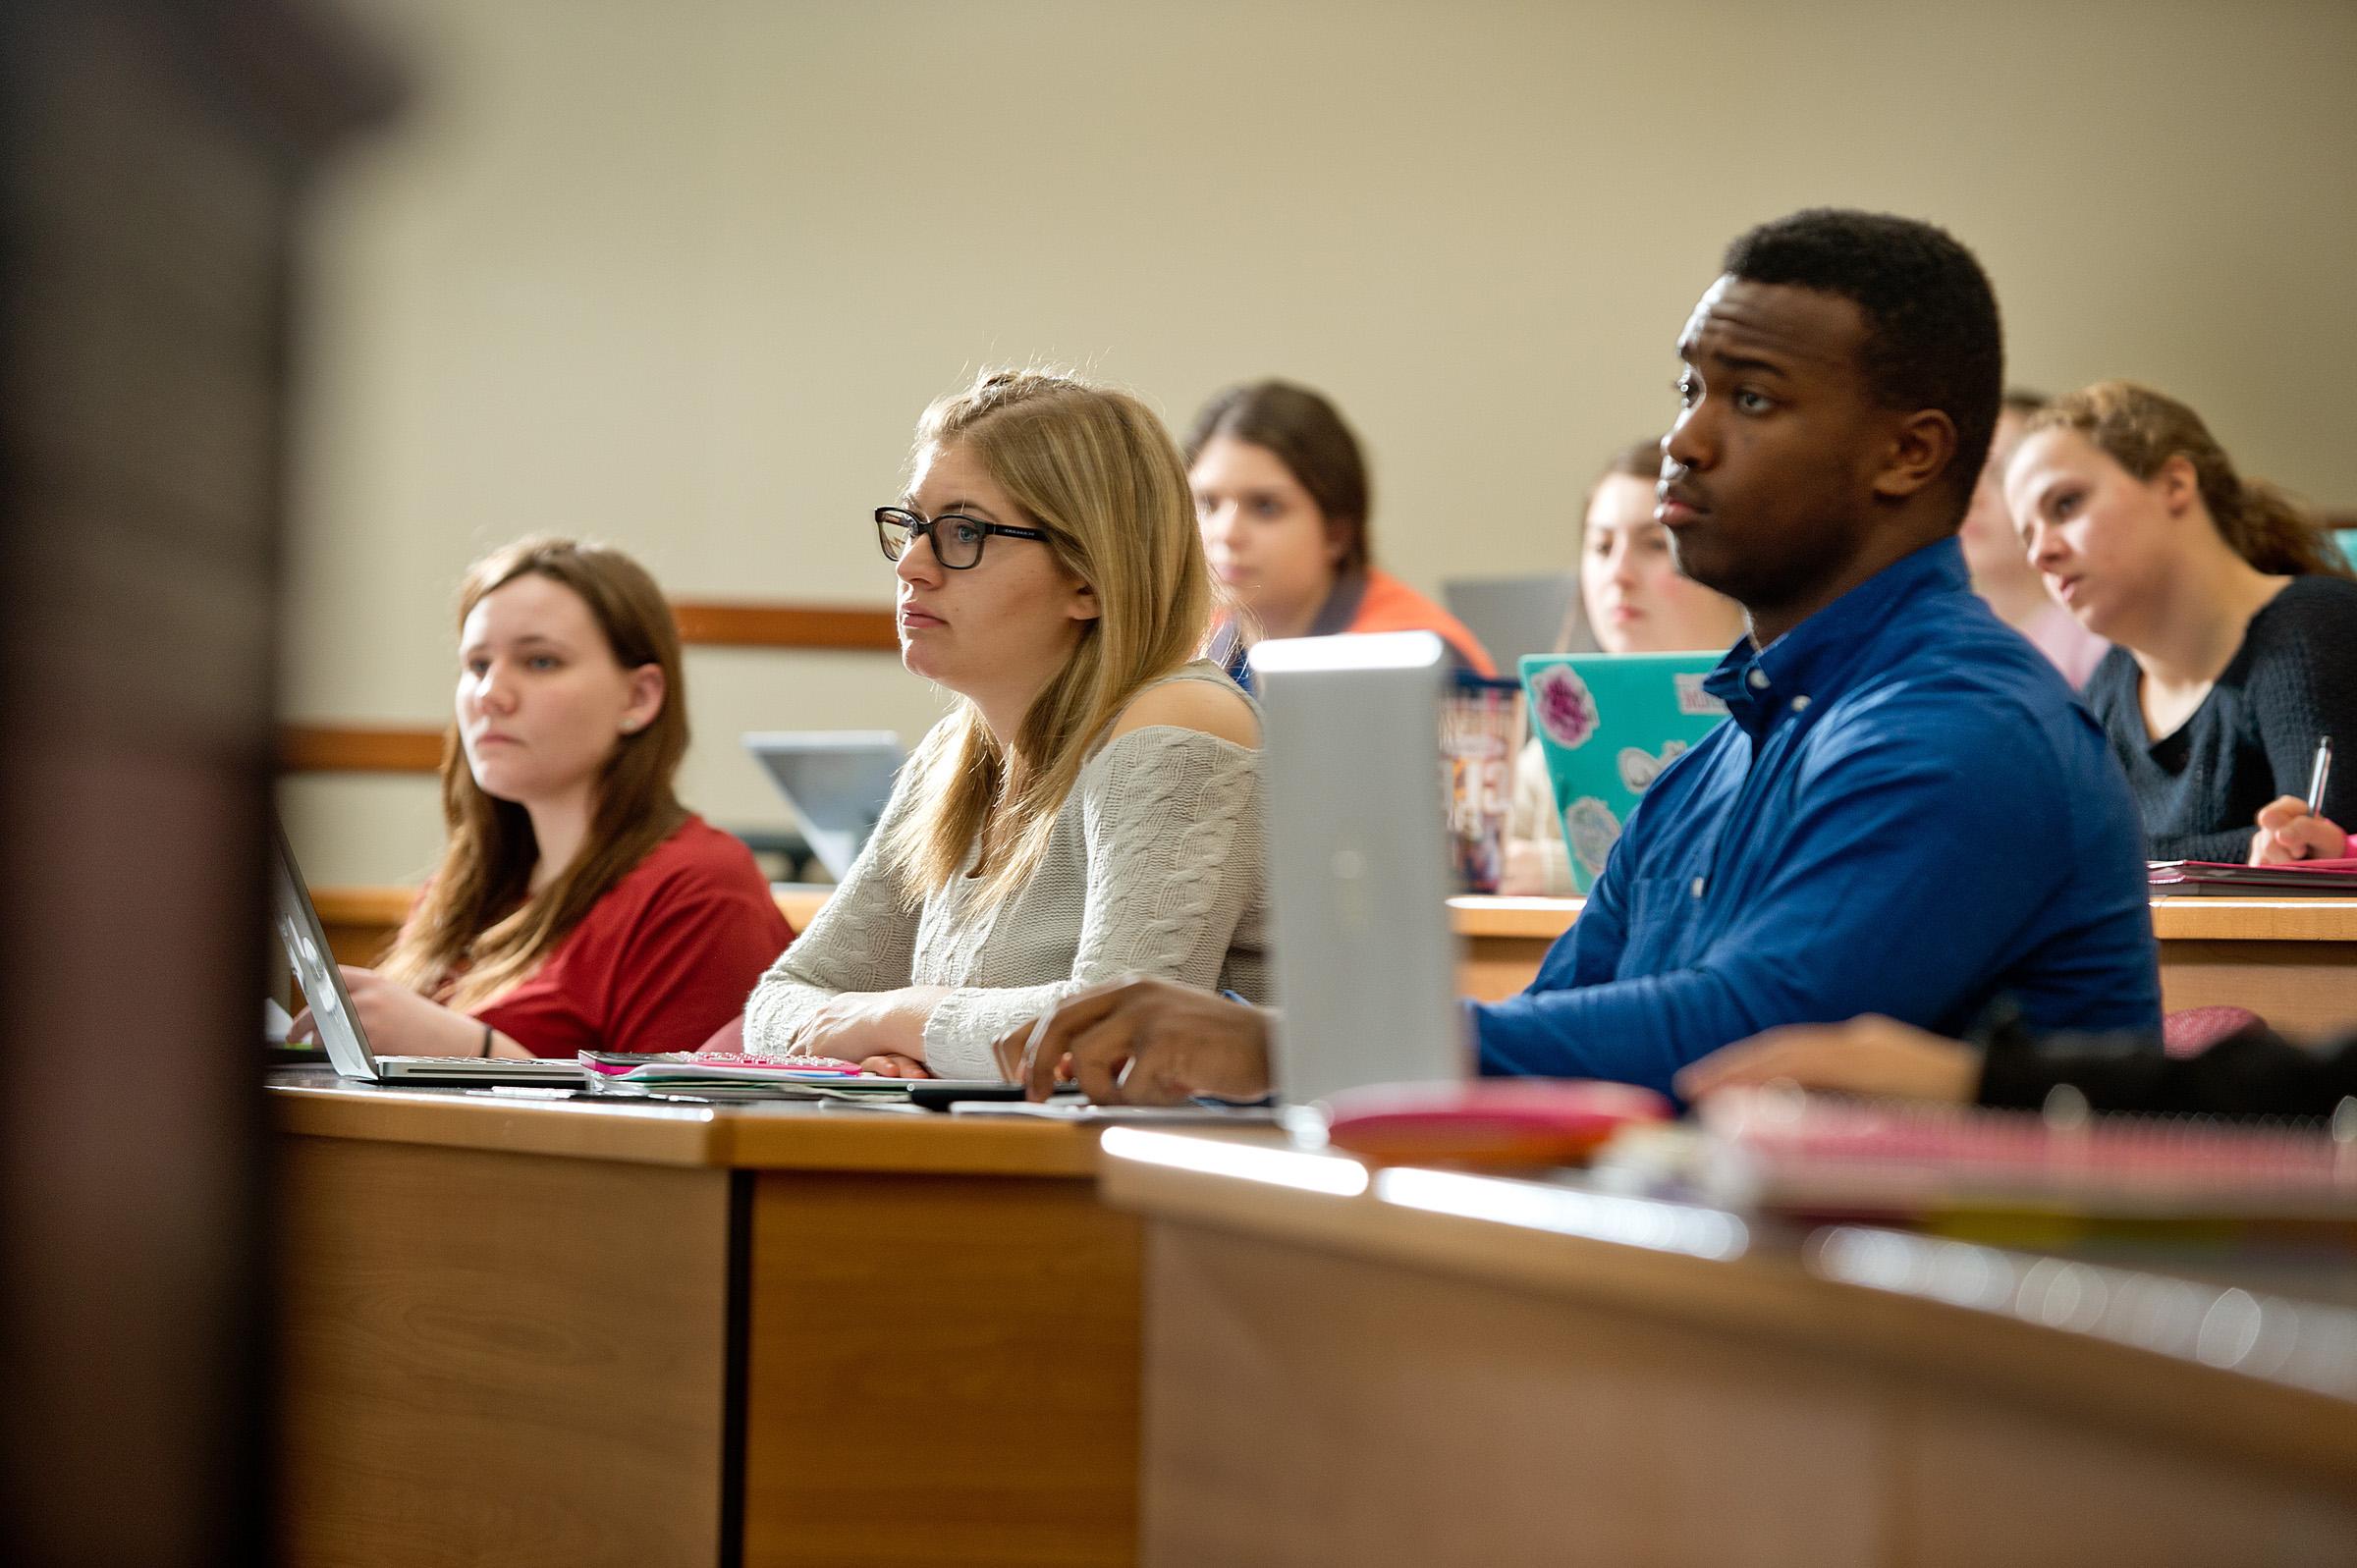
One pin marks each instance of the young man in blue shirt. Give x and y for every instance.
(1908, 812)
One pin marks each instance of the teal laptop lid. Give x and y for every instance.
(1609, 723)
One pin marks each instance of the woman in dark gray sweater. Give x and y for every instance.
(2234, 614)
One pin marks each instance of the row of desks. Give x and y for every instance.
(525, 1332)
(576, 1333)
(2292, 961)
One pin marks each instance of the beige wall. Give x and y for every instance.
(683, 274)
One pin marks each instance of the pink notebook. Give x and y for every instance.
(1830, 1156)
(2327, 876)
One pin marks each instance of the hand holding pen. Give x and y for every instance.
(2293, 829)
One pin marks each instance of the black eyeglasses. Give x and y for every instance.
(956, 540)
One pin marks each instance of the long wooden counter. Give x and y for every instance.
(1414, 1366)
(528, 1332)
(2292, 960)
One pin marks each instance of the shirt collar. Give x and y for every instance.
(1342, 604)
(1816, 659)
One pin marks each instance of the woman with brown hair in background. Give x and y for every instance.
(1282, 499)
(1634, 600)
(2234, 617)
(577, 905)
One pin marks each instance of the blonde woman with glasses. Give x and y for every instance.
(1091, 808)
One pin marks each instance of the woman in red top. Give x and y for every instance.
(1281, 493)
(578, 905)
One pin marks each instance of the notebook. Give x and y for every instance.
(1829, 1155)
(733, 1076)
(1609, 723)
(2331, 878)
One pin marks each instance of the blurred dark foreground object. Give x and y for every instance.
(154, 161)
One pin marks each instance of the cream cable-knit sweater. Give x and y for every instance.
(1156, 866)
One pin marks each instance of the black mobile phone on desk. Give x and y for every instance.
(942, 1096)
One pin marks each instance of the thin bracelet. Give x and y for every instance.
(486, 1040)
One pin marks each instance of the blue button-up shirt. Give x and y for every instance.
(1907, 813)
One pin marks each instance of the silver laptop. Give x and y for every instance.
(338, 1026)
(1358, 863)
(1515, 615)
(836, 782)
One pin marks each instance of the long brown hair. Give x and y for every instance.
(2141, 429)
(478, 911)
(1096, 470)
(1639, 460)
(1308, 436)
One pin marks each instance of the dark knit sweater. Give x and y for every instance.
(2199, 788)
(2253, 1072)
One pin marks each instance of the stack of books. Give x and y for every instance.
(2326, 876)
(726, 1075)
(1834, 1158)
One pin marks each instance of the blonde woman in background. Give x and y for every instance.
(578, 905)
(2233, 610)
(1636, 601)
(1091, 808)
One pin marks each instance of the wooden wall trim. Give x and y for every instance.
(721, 624)
(703, 624)
(357, 748)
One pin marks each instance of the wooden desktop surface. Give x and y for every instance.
(1451, 1368)
(2292, 960)
(525, 1332)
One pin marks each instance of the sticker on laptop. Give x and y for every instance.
(1639, 767)
(1566, 710)
(1695, 702)
(1590, 830)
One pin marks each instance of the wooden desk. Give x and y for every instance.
(523, 1332)
(1386, 1378)
(2292, 960)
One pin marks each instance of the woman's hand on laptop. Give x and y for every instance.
(1143, 1042)
(1867, 1055)
(399, 1023)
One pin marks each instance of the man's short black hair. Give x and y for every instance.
(1933, 340)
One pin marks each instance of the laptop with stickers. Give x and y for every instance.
(1609, 725)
